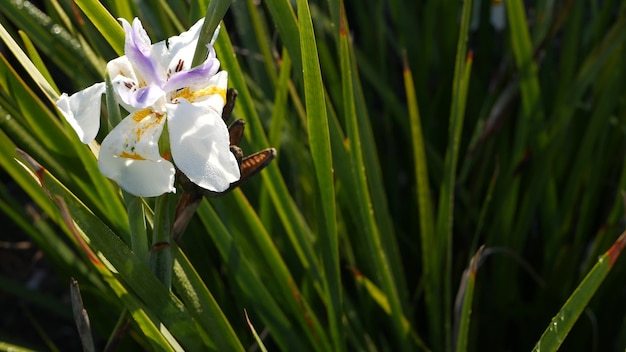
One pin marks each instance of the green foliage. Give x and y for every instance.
(408, 134)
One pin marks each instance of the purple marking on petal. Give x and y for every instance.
(147, 96)
(137, 48)
(197, 76)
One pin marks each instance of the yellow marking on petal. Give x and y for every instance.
(212, 90)
(133, 156)
(193, 96)
(146, 122)
(183, 93)
(140, 115)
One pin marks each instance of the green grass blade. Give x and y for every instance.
(257, 293)
(285, 20)
(424, 200)
(160, 339)
(364, 205)
(256, 336)
(81, 317)
(532, 107)
(123, 9)
(39, 119)
(381, 299)
(51, 39)
(562, 323)
(39, 130)
(28, 64)
(107, 25)
(131, 269)
(319, 140)
(7, 346)
(376, 182)
(202, 304)
(280, 103)
(464, 303)
(264, 245)
(214, 14)
(440, 312)
(37, 61)
(292, 219)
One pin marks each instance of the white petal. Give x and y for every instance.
(200, 146)
(182, 47)
(142, 178)
(82, 111)
(215, 34)
(176, 53)
(129, 155)
(124, 80)
(211, 94)
(136, 136)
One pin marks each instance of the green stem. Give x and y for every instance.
(161, 256)
(137, 225)
(214, 14)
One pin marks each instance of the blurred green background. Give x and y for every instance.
(409, 133)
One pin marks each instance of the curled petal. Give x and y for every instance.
(200, 146)
(129, 155)
(215, 34)
(197, 76)
(131, 95)
(124, 80)
(82, 111)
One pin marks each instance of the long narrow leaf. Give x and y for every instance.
(319, 140)
(562, 323)
(373, 238)
(440, 312)
(202, 305)
(105, 22)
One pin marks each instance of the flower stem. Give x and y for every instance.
(137, 225)
(113, 110)
(161, 256)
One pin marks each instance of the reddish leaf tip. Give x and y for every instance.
(473, 267)
(342, 21)
(405, 62)
(357, 274)
(616, 249)
(39, 170)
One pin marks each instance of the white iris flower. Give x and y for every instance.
(156, 83)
